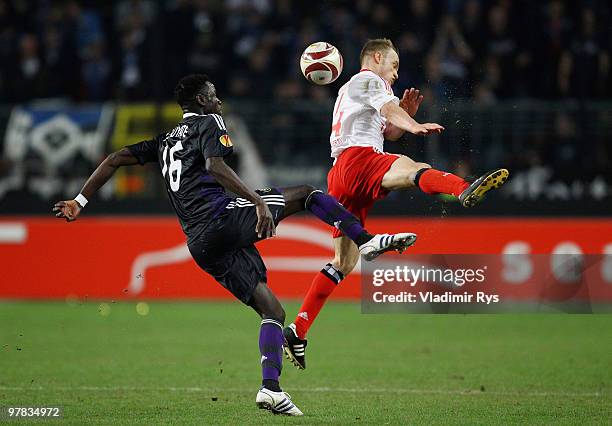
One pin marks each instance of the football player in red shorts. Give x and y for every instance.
(366, 113)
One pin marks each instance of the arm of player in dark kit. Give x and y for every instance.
(217, 168)
(107, 169)
(70, 209)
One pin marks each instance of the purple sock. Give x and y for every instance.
(271, 347)
(330, 211)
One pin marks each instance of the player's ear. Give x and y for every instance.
(200, 100)
(378, 57)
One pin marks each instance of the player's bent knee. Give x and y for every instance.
(402, 174)
(310, 191)
(300, 193)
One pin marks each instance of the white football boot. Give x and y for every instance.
(381, 243)
(277, 402)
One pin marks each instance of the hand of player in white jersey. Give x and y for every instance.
(426, 129)
(265, 227)
(411, 101)
(68, 210)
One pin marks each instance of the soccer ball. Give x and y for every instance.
(321, 63)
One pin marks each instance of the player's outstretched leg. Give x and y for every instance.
(270, 396)
(327, 208)
(406, 173)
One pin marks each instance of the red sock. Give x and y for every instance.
(322, 286)
(433, 181)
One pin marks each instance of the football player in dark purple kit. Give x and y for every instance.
(221, 229)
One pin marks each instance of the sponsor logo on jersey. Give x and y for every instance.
(225, 140)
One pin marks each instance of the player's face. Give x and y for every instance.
(390, 66)
(209, 100)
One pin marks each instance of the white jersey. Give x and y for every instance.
(357, 120)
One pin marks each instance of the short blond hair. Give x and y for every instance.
(376, 45)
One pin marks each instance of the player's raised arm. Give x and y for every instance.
(396, 116)
(70, 209)
(410, 103)
(223, 174)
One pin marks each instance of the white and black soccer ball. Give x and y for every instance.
(321, 63)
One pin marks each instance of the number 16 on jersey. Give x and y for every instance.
(175, 168)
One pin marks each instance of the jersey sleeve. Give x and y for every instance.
(371, 90)
(214, 140)
(145, 151)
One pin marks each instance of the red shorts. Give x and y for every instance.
(355, 180)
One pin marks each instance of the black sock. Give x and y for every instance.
(272, 385)
(363, 238)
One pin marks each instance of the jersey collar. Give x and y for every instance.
(386, 82)
(189, 114)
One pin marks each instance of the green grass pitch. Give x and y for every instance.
(198, 363)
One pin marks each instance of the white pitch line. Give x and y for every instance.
(467, 392)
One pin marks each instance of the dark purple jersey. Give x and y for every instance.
(181, 154)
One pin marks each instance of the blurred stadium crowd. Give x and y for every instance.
(523, 84)
(136, 49)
